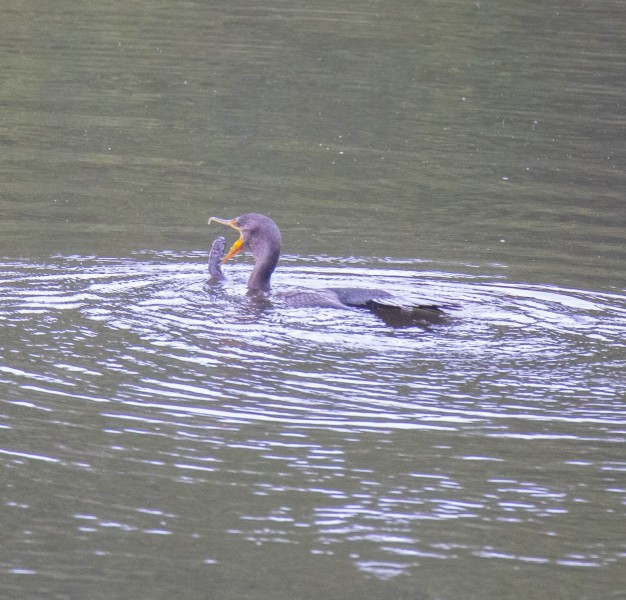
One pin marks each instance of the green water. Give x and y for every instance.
(160, 440)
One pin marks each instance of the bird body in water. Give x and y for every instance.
(260, 235)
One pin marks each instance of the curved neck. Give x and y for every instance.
(261, 275)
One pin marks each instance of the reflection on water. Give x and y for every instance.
(494, 437)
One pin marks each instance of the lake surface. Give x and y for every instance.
(161, 437)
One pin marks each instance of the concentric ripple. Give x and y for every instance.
(148, 336)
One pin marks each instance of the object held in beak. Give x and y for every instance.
(237, 247)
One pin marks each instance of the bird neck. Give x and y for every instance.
(261, 275)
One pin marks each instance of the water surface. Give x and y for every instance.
(160, 437)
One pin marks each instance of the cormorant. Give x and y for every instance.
(261, 236)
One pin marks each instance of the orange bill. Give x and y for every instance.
(237, 247)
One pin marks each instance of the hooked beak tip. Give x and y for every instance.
(230, 222)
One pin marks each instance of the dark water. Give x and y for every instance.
(163, 438)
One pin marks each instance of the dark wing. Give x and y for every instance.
(391, 310)
(380, 302)
(307, 298)
(359, 297)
